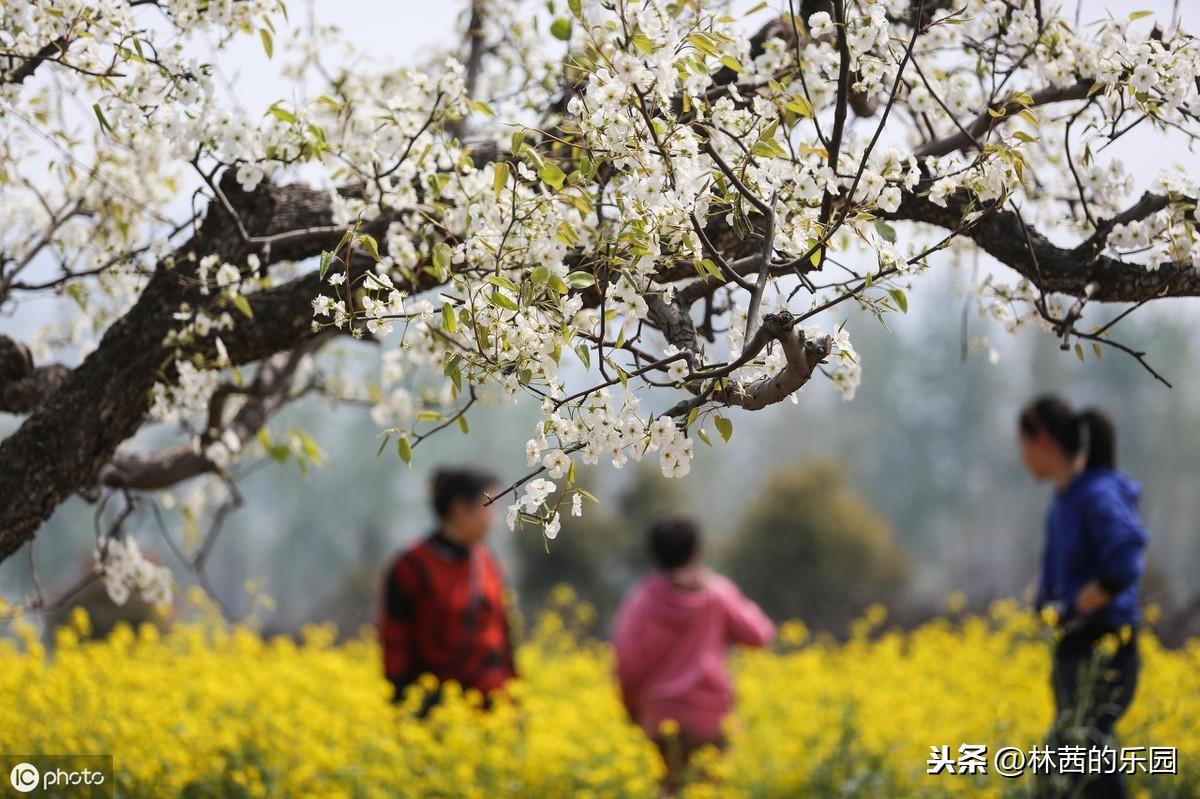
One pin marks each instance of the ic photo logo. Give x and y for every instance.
(24, 777)
(82, 776)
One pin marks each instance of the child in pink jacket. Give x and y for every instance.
(672, 635)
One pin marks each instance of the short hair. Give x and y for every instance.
(674, 542)
(458, 483)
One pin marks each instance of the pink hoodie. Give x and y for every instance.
(671, 645)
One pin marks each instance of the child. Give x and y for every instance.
(672, 636)
(1092, 563)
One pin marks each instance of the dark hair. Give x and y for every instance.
(674, 541)
(458, 483)
(1089, 431)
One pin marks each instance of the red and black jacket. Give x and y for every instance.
(444, 614)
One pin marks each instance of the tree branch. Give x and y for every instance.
(75, 431)
(270, 390)
(984, 123)
(22, 385)
(1048, 266)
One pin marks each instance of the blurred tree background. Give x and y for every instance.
(907, 494)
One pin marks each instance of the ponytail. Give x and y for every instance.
(1090, 431)
(1101, 439)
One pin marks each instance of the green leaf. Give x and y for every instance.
(441, 257)
(502, 301)
(587, 167)
(709, 267)
(371, 246)
(733, 64)
(500, 177)
(1140, 14)
(462, 424)
(242, 304)
(900, 299)
(622, 375)
(561, 29)
(642, 43)
(482, 107)
(267, 43)
(886, 231)
(500, 281)
(566, 231)
(552, 175)
(78, 293)
(581, 280)
(346, 238)
(1079, 351)
(704, 44)
(483, 335)
(724, 427)
(326, 260)
(576, 7)
(383, 444)
(449, 319)
(280, 113)
(801, 107)
(540, 275)
(453, 370)
(404, 449)
(703, 436)
(277, 452)
(767, 147)
(100, 116)
(558, 284)
(309, 447)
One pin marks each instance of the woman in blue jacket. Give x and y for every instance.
(1091, 566)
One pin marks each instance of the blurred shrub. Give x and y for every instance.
(811, 547)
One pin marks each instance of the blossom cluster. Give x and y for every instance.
(125, 571)
(525, 222)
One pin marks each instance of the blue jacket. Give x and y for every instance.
(1093, 533)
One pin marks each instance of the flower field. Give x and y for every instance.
(207, 710)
